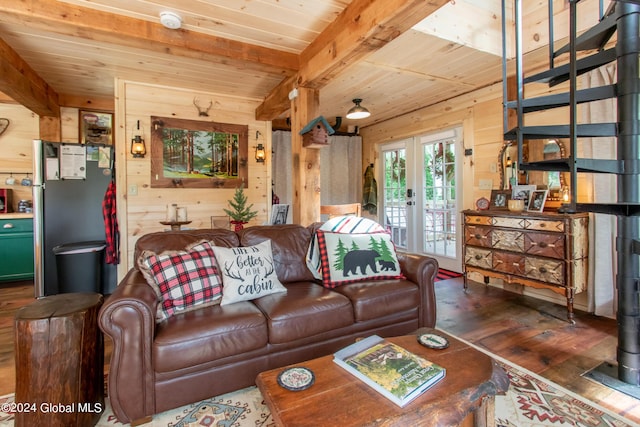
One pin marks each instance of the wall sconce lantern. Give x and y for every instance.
(138, 149)
(260, 153)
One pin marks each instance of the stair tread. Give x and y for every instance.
(561, 73)
(562, 99)
(563, 131)
(620, 209)
(595, 37)
(582, 165)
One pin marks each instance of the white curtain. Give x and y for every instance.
(340, 169)
(600, 188)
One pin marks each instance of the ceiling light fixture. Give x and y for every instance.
(358, 111)
(170, 20)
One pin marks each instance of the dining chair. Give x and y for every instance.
(354, 209)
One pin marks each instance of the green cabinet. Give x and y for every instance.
(16, 249)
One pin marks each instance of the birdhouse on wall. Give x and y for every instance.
(316, 133)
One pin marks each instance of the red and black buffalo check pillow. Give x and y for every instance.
(183, 280)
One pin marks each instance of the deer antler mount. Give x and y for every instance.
(202, 112)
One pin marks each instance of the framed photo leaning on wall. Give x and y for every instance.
(523, 192)
(536, 203)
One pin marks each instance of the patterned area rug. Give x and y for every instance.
(530, 402)
(446, 274)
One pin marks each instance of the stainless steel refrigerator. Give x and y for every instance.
(69, 186)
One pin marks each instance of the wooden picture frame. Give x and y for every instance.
(538, 198)
(500, 199)
(198, 154)
(95, 127)
(523, 192)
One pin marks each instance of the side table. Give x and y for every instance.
(59, 356)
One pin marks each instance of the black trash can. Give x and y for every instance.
(79, 266)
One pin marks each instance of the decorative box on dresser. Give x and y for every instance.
(541, 250)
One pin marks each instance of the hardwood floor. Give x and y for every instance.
(531, 333)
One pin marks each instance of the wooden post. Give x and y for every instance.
(50, 129)
(306, 161)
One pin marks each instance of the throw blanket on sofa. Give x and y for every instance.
(341, 224)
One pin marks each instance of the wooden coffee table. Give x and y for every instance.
(464, 397)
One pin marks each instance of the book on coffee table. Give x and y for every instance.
(394, 372)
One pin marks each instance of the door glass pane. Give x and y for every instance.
(395, 189)
(439, 198)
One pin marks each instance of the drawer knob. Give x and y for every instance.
(8, 225)
(542, 244)
(543, 270)
(543, 225)
(478, 256)
(477, 236)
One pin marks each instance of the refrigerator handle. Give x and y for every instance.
(38, 217)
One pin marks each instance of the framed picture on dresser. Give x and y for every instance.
(499, 199)
(536, 203)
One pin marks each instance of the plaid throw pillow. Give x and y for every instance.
(183, 280)
(349, 258)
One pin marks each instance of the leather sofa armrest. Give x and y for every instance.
(128, 318)
(422, 270)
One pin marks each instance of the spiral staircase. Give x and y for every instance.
(585, 52)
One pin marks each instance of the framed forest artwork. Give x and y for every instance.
(198, 154)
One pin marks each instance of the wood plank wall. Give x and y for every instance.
(16, 149)
(141, 214)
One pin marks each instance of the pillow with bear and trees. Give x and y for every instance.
(348, 258)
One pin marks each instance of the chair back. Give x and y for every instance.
(354, 209)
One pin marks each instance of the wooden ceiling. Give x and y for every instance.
(397, 55)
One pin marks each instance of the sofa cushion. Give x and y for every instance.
(177, 240)
(348, 258)
(289, 243)
(380, 298)
(305, 310)
(212, 333)
(183, 280)
(247, 272)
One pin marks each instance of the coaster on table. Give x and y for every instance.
(433, 341)
(296, 378)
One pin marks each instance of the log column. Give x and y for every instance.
(59, 355)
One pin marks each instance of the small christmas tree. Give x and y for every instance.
(240, 213)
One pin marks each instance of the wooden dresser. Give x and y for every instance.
(541, 250)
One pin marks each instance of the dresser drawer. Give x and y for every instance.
(477, 235)
(544, 244)
(545, 270)
(545, 225)
(509, 222)
(477, 257)
(476, 219)
(508, 240)
(509, 263)
(15, 226)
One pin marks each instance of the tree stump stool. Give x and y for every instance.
(59, 355)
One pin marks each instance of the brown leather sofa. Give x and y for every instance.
(217, 349)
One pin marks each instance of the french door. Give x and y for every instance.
(420, 188)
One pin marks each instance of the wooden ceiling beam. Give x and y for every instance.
(364, 26)
(68, 19)
(21, 83)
